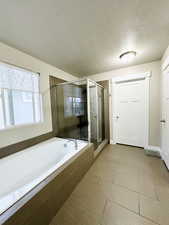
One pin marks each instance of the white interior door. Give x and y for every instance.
(165, 118)
(130, 112)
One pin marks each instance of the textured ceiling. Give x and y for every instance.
(84, 37)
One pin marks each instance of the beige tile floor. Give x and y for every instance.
(123, 187)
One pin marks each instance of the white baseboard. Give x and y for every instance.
(112, 142)
(100, 147)
(153, 150)
(150, 149)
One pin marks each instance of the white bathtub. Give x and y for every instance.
(23, 171)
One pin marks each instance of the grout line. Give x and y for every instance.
(149, 219)
(157, 198)
(117, 203)
(134, 212)
(125, 187)
(102, 214)
(140, 193)
(139, 205)
(104, 208)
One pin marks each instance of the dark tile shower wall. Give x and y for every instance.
(13, 148)
(69, 101)
(53, 82)
(68, 122)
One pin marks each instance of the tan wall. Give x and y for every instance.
(154, 67)
(18, 58)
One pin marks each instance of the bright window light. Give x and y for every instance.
(20, 98)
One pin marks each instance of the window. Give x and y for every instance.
(68, 110)
(73, 106)
(20, 99)
(73, 101)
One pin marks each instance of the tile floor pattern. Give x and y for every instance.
(123, 187)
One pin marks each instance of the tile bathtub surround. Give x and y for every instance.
(44, 205)
(123, 187)
(11, 149)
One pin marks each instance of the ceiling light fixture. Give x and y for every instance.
(128, 56)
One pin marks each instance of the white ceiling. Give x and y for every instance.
(84, 37)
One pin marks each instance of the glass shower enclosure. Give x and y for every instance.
(79, 110)
(96, 112)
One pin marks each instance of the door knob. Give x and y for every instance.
(117, 117)
(162, 121)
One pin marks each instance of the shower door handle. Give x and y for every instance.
(162, 121)
(95, 116)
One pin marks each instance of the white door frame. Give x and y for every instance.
(163, 153)
(112, 104)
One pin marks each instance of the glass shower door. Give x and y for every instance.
(70, 106)
(96, 112)
(100, 98)
(93, 112)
